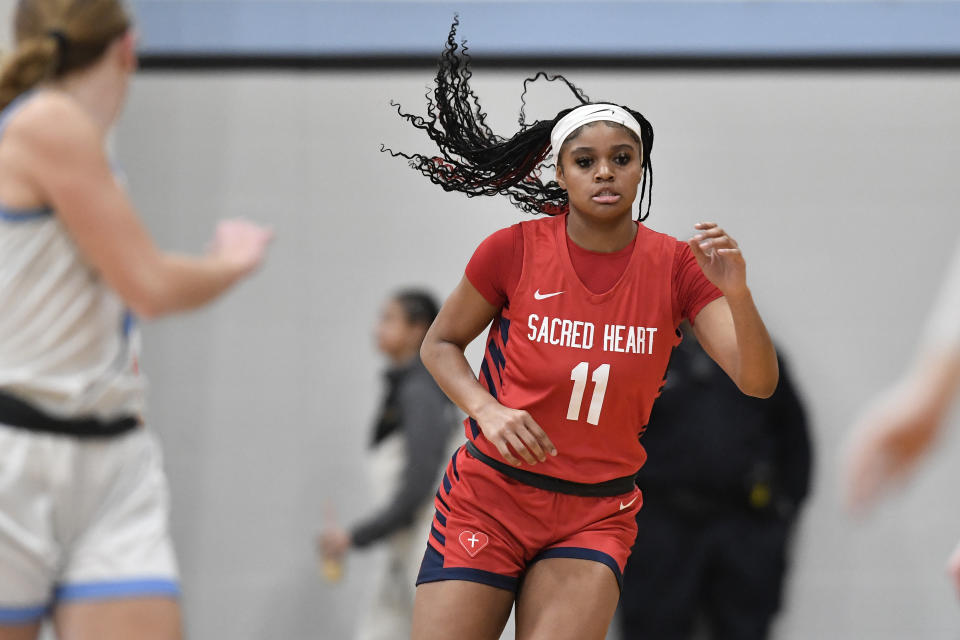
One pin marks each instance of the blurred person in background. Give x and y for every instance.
(83, 498)
(411, 439)
(723, 486)
(897, 429)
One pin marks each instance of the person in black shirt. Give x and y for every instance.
(411, 439)
(725, 477)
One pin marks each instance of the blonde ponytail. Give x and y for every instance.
(32, 62)
(58, 37)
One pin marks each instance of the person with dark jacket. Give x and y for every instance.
(725, 478)
(412, 438)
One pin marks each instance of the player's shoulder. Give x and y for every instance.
(513, 231)
(539, 227)
(540, 221)
(664, 241)
(501, 240)
(51, 120)
(646, 233)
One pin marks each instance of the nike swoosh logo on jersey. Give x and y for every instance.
(544, 296)
(624, 506)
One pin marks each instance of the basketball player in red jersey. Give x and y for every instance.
(538, 507)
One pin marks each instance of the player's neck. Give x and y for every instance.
(99, 90)
(601, 236)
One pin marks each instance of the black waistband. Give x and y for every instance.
(14, 412)
(615, 487)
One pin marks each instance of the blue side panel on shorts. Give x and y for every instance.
(432, 570)
(439, 537)
(581, 553)
(21, 615)
(474, 428)
(442, 519)
(109, 590)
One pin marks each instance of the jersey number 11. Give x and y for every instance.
(579, 377)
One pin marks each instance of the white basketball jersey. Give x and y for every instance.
(67, 343)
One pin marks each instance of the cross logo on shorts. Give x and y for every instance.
(473, 542)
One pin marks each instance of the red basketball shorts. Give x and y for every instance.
(490, 528)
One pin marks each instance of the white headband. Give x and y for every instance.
(586, 114)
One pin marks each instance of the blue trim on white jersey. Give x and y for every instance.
(115, 589)
(129, 322)
(25, 215)
(22, 615)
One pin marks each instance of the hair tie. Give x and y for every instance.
(61, 39)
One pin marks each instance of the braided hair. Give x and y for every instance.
(477, 162)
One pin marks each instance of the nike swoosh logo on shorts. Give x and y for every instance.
(624, 506)
(544, 296)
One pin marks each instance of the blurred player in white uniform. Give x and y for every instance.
(83, 499)
(898, 428)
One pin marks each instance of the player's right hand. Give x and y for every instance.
(514, 433)
(886, 444)
(241, 243)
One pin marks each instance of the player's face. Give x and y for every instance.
(397, 337)
(601, 170)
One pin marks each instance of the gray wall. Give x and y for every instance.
(840, 188)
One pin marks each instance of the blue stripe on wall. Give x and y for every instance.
(628, 29)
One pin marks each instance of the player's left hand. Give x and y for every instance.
(334, 543)
(953, 568)
(720, 258)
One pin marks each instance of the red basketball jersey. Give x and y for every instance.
(586, 366)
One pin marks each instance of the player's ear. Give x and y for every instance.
(561, 180)
(128, 50)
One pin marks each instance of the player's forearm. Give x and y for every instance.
(757, 372)
(178, 283)
(933, 382)
(449, 367)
